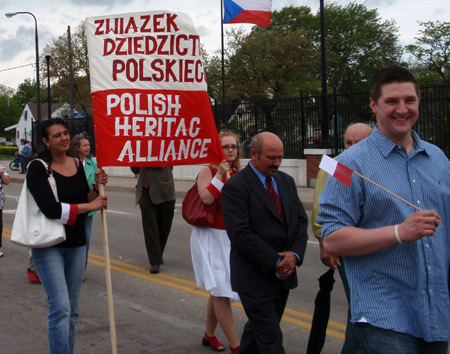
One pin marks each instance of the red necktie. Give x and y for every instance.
(274, 196)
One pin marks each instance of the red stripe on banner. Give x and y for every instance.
(135, 127)
(343, 174)
(260, 18)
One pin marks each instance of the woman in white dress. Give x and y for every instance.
(210, 248)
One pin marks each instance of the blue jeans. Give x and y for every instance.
(378, 340)
(61, 271)
(351, 343)
(88, 229)
(23, 163)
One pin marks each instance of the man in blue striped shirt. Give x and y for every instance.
(396, 258)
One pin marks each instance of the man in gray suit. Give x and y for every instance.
(155, 194)
(267, 227)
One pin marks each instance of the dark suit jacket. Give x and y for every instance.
(160, 180)
(257, 233)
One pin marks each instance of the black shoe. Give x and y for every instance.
(154, 269)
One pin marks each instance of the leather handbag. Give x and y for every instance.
(31, 227)
(195, 212)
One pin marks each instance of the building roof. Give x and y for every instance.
(55, 107)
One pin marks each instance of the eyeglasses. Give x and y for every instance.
(228, 147)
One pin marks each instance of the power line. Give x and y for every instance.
(16, 67)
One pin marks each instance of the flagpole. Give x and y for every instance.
(223, 59)
(387, 191)
(112, 322)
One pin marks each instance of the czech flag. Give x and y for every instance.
(342, 173)
(248, 11)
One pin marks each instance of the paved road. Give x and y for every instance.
(153, 313)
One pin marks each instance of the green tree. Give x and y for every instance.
(358, 43)
(280, 60)
(432, 51)
(26, 92)
(6, 91)
(59, 68)
(10, 111)
(271, 62)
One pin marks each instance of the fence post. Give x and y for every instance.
(255, 107)
(302, 122)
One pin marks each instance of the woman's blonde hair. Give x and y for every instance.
(236, 164)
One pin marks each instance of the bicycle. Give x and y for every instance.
(14, 165)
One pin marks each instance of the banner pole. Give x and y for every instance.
(112, 323)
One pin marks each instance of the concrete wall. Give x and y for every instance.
(295, 168)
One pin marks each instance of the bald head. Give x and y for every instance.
(355, 133)
(264, 138)
(266, 152)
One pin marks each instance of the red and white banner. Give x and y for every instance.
(339, 171)
(149, 91)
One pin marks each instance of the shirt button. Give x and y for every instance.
(427, 245)
(414, 181)
(418, 202)
(429, 268)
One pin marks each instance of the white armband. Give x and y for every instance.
(65, 213)
(217, 183)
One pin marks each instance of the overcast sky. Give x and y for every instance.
(17, 47)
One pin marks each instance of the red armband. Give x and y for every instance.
(73, 214)
(213, 190)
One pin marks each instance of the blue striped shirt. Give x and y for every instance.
(404, 287)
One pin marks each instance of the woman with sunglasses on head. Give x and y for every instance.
(61, 267)
(210, 248)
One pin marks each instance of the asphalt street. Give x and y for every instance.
(163, 313)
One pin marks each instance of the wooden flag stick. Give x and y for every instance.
(387, 191)
(112, 323)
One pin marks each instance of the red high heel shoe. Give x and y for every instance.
(213, 342)
(234, 350)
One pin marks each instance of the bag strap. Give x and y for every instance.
(210, 168)
(50, 178)
(47, 169)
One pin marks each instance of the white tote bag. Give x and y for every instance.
(31, 227)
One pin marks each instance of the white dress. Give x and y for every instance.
(210, 250)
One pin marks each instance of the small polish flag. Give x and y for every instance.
(342, 173)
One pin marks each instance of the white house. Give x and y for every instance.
(24, 126)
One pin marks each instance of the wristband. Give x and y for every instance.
(397, 236)
(217, 183)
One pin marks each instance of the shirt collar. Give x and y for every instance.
(386, 145)
(261, 177)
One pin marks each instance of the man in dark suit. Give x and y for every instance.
(155, 194)
(267, 227)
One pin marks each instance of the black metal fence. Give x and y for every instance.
(76, 126)
(297, 121)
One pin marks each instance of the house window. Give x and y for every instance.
(18, 134)
(25, 116)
